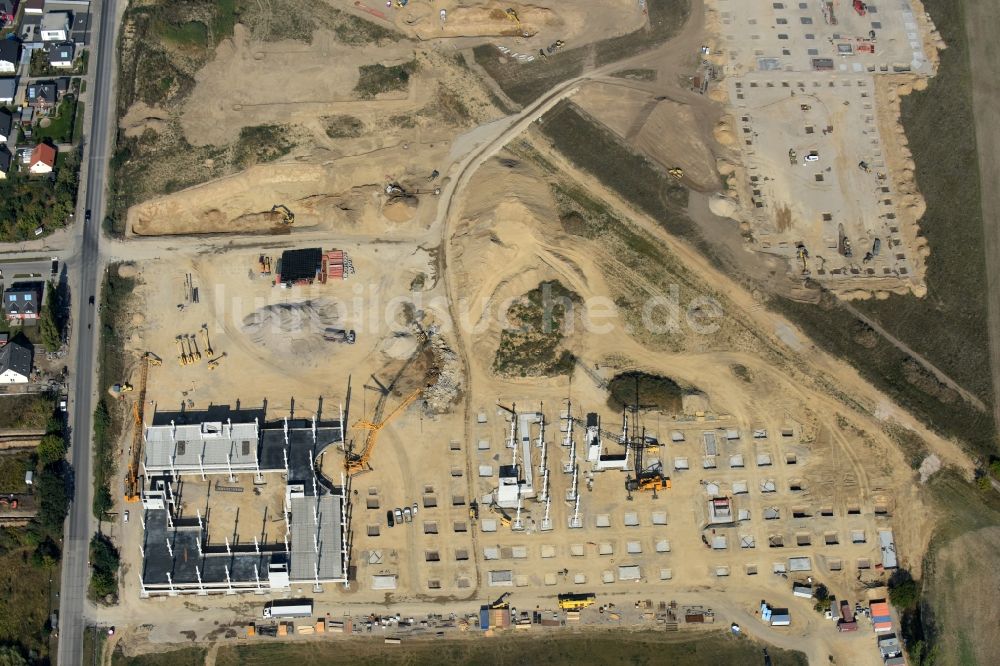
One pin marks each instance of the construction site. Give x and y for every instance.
(826, 179)
(334, 389)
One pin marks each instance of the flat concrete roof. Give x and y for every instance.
(190, 447)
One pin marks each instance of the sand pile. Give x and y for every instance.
(400, 209)
(294, 330)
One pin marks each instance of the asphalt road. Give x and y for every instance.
(83, 266)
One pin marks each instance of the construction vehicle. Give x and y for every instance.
(339, 335)
(864, 166)
(474, 510)
(793, 157)
(397, 191)
(512, 15)
(501, 602)
(193, 343)
(208, 343)
(355, 463)
(182, 357)
(125, 387)
(138, 412)
(504, 518)
(576, 601)
(652, 478)
(287, 216)
(801, 253)
(860, 7)
(843, 242)
(213, 363)
(676, 172)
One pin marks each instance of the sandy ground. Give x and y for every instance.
(544, 22)
(252, 83)
(458, 259)
(855, 104)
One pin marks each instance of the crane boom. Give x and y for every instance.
(356, 463)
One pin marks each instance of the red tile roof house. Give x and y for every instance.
(43, 159)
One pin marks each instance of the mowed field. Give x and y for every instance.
(949, 325)
(959, 588)
(557, 650)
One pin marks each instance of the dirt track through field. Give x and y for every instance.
(984, 58)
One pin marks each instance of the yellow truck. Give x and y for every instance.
(576, 601)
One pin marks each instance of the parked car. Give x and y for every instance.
(389, 519)
(407, 514)
(414, 509)
(125, 516)
(399, 516)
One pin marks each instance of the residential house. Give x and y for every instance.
(43, 159)
(61, 54)
(41, 95)
(8, 90)
(10, 53)
(62, 86)
(81, 23)
(6, 125)
(34, 7)
(15, 362)
(8, 11)
(55, 27)
(22, 302)
(5, 160)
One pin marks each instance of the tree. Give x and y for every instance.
(10, 655)
(51, 449)
(104, 563)
(53, 497)
(48, 325)
(905, 594)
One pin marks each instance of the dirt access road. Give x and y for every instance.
(984, 57)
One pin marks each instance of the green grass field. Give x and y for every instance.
(28, 411)
(949, 325)
(555, 649)
(12, 469)
(193, 656)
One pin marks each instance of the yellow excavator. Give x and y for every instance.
(512, 15)
(676, 172)
(287, 216)
(355, 463)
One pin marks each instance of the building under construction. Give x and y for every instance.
(205, 480)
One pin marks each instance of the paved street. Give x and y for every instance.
(83, 265)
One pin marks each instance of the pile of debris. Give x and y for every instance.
(443, 394)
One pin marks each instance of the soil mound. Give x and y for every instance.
(294, 330)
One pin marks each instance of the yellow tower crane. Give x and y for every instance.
(356, 463)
